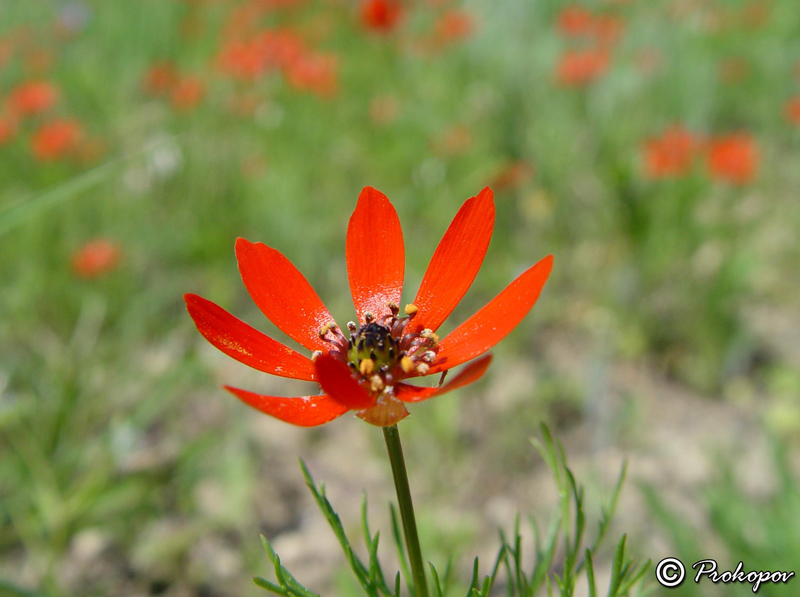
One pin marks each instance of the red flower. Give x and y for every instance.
(608, 29)
(8, 128)
(578, 68)
(32, 98)
(733, 158)
(513, 175)
(380, 15)
(793, 110)
(364, 368)
(160, 78)
(670, 155)
(187, 93)
(56, 139)
(454, 25)
(575, 20)
(96, 258)
(316, 73)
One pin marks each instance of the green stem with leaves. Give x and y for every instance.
(392, 437)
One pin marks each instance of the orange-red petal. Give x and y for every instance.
(494, 321)
(375, 254)
(472, 372)
(305, 411)
(455, 262)
(282, 293)
(337, 380)
(246, 344)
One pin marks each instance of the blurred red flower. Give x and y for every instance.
(381, 15)
(733, 158)
(366, 371)
(577, 21)
(6, 51)
(263, 51)
(608, 29)
(187, 93)
(454, 140)
(160, 78)
(574, 21)
(33, 97)
(453, 25)
(577, 68)
(793, 110)
(95, 258)
(56, 139)
(316, 73)
(281, 47)
(8, 128)
(671, 155)
(734, 69)
(513, 175)
(242, 59)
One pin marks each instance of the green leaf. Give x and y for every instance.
(617, 572)
(356, 565)
(265, 584)
(399, 546)
(287, 584)
(473, 585)
(437, 586)
(590, 573)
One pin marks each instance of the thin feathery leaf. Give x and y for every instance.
(356, 565)
(437, 586)
(634, 577)
(400, 546)
(590, 573)
(617, 567)
(473, 585)
(265, 584)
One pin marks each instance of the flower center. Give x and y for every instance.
(380, 352)
(375, 343)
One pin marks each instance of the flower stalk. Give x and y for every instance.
(392, 437)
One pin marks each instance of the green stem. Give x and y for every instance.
(395, 449)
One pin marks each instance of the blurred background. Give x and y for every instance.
(652, 147)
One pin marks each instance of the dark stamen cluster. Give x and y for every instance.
(380, 352)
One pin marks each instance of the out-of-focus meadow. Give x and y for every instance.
(652, 146)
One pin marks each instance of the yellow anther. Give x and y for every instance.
(393, 308)
(366, 366)
(430, 336)
(376, 383)
(323, 331)
(406, 364)
(411, 309)
(369, 317)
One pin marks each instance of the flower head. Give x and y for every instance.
(733, 158)
(56, 139)
(33, 97)
(187, 93)
(8, 128)
(578, 68)
(672, 154)
(364, 366)
(792, 110)
(381, 15)
(95, 258)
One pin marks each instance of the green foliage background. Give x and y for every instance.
(110, 417)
